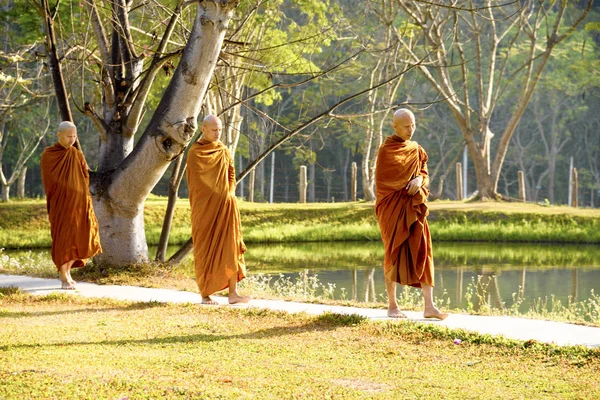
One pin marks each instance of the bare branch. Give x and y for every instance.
(315, 119)
(107, 78)
(145, 86)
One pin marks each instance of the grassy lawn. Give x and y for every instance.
(24, 224)
(60, 346)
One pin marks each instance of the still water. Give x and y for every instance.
(496, 273)
(492, 273)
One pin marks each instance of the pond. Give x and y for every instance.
(466, 274)
(494, 273)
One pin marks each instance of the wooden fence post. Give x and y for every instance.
(574, 197)
(302, 184)
(459, 182)
(522, 194)
(251, 185)
(353, 183)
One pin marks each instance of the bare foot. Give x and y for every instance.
(209, 301)
(395, 313)
(66, 285)
(235, 298)
(435, 313)
(70, 279)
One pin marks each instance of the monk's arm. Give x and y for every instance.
(84, 166)
(424, 173)
(232, 179)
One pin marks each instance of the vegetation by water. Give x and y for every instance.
(294, 257)
(25, 224)
(61, 346)
(309, 287)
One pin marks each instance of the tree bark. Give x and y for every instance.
(54, 65)
(120, 188)
(5, 193)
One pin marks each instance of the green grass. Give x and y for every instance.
(24, 224)
(61, 346)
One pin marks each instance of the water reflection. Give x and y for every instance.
(472, 274)
(467, 274)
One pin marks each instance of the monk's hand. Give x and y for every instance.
(414, 185)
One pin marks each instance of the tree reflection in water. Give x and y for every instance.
(500, 274)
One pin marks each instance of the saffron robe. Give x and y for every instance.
(216, 228)
(408, 258)
(73, 224)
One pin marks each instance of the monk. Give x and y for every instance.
(402, 184)
(216, 228)
(73, 224)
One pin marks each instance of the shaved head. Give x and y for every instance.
(401, 112)
(65, 126)
(211, 128)
(67, 134)
(404, 123)
(210, 118)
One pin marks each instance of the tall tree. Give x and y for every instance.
(388, 59)
(554, 117)
(506, 46)
(128, 170)
(23, 85)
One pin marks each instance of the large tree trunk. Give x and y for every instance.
(120, 188)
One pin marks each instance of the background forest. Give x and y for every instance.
(519, 82)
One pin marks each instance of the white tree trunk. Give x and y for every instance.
(123, 236)
(21, 183)
(5, 193)
(368, 181)
(119, 195)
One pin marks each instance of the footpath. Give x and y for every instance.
(562, 334)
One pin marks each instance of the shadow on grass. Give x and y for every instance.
(322, 323)
(26, 314)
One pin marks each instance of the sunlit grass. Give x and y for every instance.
(25, 224)
(61, 346)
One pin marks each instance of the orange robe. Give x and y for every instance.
(408, 258)
(73, 224)
(216, 228)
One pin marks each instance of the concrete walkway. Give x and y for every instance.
(510, 327)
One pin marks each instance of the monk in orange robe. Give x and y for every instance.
(73, 224)
(216, 228)
(402, 184)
